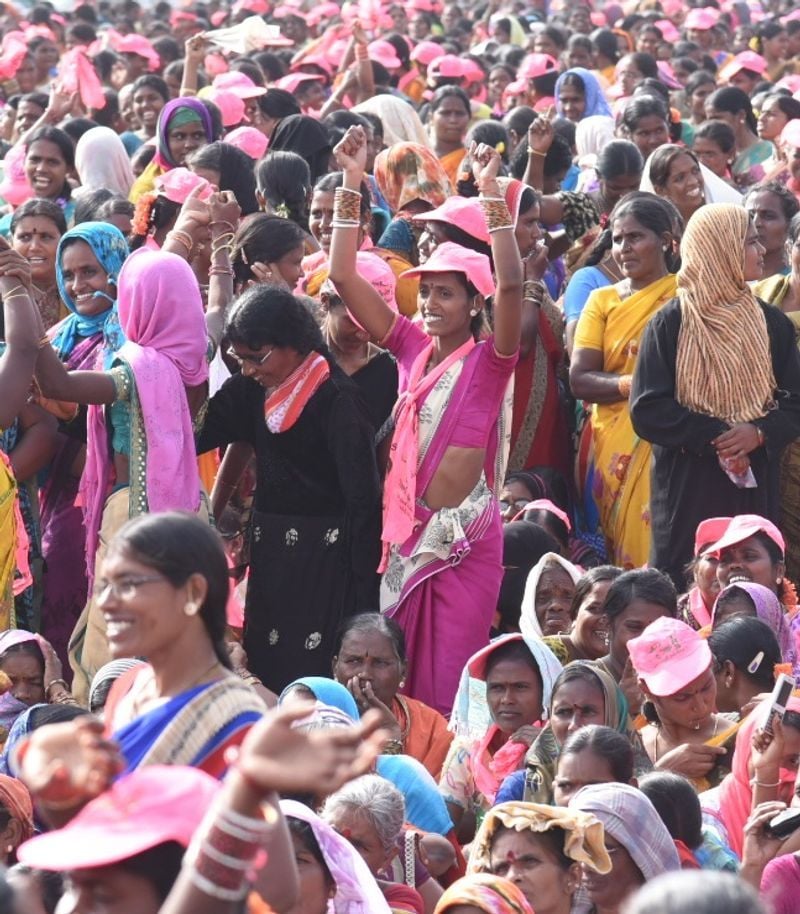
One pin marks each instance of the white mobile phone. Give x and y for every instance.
(784, 686)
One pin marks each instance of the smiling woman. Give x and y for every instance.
(36, 227)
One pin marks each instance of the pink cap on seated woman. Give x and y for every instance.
(709, 531)
(744, 526)
(668, 655)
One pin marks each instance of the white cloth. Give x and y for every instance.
(102, 163)
(251, 35)
(401, 123)
(529, 621)
(716, 190)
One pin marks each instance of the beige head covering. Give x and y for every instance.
(583, 833)
(723, 366)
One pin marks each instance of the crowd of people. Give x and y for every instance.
(399, 457)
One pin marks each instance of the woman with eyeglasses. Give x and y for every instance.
(315, 536)
(140, 454)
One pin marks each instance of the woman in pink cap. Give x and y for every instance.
(676, 675)
(695, 606)
(440, 510)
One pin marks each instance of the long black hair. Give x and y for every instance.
(263, 239)
(267, 315)
(284, 181)
(235, 171)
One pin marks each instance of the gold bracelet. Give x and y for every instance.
(15, 290)
(183, 238)
(624, 385)
(346, 206)
(535, 152)
(495, 210)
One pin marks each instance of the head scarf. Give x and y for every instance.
(529, 623)
(592, 134)
(425, 807)
(512, 190)
(176, 113)
(488, 893)
(715, 190)
(356, 889)
(524, 543)
(161, 314)
(401, 123)
(110, 672)
(593, 94)
(769, 610)
(308, 138)
(11, 707)
(102, 163)
(21, 727)
(328, 691)
(583, 833)
(15, 798)
(629, 817)
(735, 792)
(408, 171)
(110, 248)
(723, 366)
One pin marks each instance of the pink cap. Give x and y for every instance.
(426, 52)
(153, 805)
(517, 87)
(313, 60)
(177, 183)
(15, 188)
(668, 30)
(746, 60)
(790, 82)
(378, 274)
(258, 7)
(249, 140)
(790, 135)
(447, 65)
(744, 526)
(231, 106)
(790, 17)
(239, 84)
(544, 504)
(709, 531)
(701, 19)
(321, 12)
(217, 19)
(463, 212)
(452, 258)
(292, 81)
(215, 63)
(473, 72)
(536, 65)
(476, 665)
(383, 52)
(138, 44)
(668, 655)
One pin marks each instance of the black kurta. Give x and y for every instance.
(315, 538)
(687, 482)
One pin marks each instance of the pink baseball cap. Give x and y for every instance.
(463, 212)
(709, 531)
(426, 52)
(153, 805)
(313, 60)
(476, 665)
(790, 135)
(668, 655)
(517, 87)
(536, 65)
(231, 107)
(323, 11)
(378, 274)
(701, 19)
(452, 258)
(292, 81)
(473, 71)
(177, 183)
(249, 140)
(239, 84)
(384, 52)
(744, 526)
(138, 44)
(746, 60)
(668, 30)
(259, 7)
(448, 65)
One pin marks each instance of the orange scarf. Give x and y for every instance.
(286, 403)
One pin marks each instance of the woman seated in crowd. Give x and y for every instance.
(549, 591)
(593, 755)
(746, 657)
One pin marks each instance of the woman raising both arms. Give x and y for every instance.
(447, 451)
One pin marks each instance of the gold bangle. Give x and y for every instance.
(624, 385)
(535, 152)
(183, 238)
(15, 290)
(495, 210)
(346, 206)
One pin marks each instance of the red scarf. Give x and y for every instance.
(286, 403)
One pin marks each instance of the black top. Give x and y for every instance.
(377, 381)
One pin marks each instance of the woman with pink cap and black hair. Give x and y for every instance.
(695, 606)
(440, 509)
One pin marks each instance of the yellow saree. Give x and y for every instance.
(621, 485)
(8, 544)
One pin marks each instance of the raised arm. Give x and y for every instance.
(505, 252)
(224, 212)
(56, 383)
(357, 294)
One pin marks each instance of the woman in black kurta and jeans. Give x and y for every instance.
(315, 538)
(717, 379)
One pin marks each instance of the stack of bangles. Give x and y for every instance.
(222, 244)
(17, 292)
(495, 210)
(624, 385)
(183, 238)
(533, 291)
(225, 852)
(346, 208)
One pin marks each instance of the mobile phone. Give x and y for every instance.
(784, 686)
(784, 823)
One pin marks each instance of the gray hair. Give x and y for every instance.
(375, 799)
(693, 892)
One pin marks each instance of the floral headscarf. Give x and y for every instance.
(488, 893)
(408, 171)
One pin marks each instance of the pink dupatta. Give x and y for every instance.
(161, 314)
(400, 488)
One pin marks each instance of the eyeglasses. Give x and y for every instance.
(256, 360)
(124, 589)
(518, 504)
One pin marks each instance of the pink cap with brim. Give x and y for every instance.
(790, 135)
(238, 83)
(293, 81)
(153, 805)
(701, 19)
(668, 30)
(321, 12)
(378, 274)
(536, 65)
(517, 87)
(742, 527)
(747, 60)
(138, 44)
(452, 258)
(249, 140)
(463, 212)
(709, 531)
(448, 65)
(178, 183)
(14, 188)
(231, 107)
(384, 53)
(313, 60)
(426, 52)
(668, 655)
(476, 665)
(473, 71)
(258, 7)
